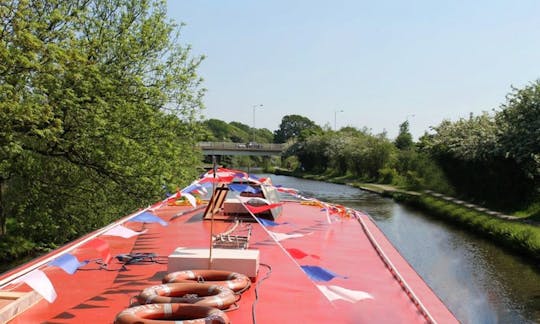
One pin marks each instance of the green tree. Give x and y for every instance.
(474, 138)
(295, 126)
(369, 155)
(223, 132)
(311, 153)
(99, 105)
(469, 152)
(404, 140)
(341, 147)
(260, 135)
(518, 124)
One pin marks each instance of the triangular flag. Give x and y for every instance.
(299, 254)
(337, 292)
(269, 223)
(102, 247)
(122, 231)
(191, 187)
(38, 281)
(317, 273)
(222, 175)
(283, 236)
(67, 262)
(148, 217)
(290, 191)
(191, 199)
(260, 209)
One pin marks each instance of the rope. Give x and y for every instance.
(259, 282)
(232, 229)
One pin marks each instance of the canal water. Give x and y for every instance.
(478, 281)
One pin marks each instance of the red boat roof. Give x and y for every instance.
(314, 266)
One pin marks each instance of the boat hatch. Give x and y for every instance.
(229, 205)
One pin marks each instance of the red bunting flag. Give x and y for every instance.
(226, 179)
(287, 190)
(260, 209)
(299, 254)
(102, 247)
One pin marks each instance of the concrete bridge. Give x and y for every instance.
(229, 148)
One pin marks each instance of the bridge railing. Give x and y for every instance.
(242, 146)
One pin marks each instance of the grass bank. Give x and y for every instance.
(522, 238)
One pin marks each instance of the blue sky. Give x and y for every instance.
(381, 62)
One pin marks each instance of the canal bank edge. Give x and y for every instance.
(503, 230)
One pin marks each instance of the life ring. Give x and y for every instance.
(165, 313)
(188, 293)
(236, 281)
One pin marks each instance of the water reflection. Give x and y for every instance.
(478, 281)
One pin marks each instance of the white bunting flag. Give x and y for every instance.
(39, 281)
(283, 236)
(336, 292)
(191, 199)
(122, 231)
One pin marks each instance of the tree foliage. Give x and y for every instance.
(235, 132)
(518, 123)
(348, 151)
(404, 140)
(221, 131)
(311, 153)
(295, 127)
(99, 105)
(493, 158)
(471, 139)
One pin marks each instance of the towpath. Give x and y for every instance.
(382, 189)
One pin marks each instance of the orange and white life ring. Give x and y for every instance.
(165, 313)
(236, 281)
(188, 293)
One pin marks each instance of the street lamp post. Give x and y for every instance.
(253, 130)
(335, 118)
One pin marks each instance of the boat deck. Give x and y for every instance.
(365, 267)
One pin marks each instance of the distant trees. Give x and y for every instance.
(236, 132)
(98, 106)
(348, 151)
(221, 131)
(295, 126)
(492, 159)
(404, 140)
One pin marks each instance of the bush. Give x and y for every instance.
(15, 247)
(420, 171)
(389, 176)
